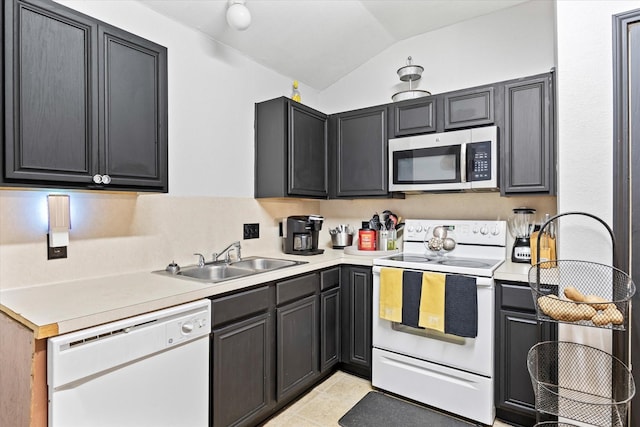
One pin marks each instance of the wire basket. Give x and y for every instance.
(580, 382)
(582, 292)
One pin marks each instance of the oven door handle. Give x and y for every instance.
(481, 281)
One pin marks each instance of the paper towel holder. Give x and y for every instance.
(59, 225)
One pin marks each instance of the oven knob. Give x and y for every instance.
(475, 229)
(419, 228)
(495, 231)
(484, 230)
(410, 228)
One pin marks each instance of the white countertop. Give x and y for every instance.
(513, 271)
(59, 308)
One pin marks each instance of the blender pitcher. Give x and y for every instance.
(520, 227)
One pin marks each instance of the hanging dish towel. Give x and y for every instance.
(411, 292)
(390, 294)
(461, 306)
(432, 301)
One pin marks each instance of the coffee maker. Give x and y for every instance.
(300, 234)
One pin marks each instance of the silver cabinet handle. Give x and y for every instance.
(101, 179)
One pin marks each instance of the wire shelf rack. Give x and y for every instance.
(580, 382)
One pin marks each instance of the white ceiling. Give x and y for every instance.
(319, 41)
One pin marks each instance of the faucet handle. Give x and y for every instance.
(200, 259)
(215, 256)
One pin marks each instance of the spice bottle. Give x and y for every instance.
(366, 238)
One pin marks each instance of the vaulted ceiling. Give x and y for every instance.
(319, 41)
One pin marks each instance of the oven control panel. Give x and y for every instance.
(473, 232)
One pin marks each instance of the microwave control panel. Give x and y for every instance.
(479, 155)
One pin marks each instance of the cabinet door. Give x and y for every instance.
(529, 159)
(412, 117)
(329, 329)
(50, 103)
(307, 152)
(133, 113)
(241, 368)
(468, 108)
(361, 153)
(356, 289)
(297, 346)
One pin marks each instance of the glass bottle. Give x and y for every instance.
(295, 94)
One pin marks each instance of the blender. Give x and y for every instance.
(520, 227)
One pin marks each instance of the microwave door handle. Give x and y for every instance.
(463, 163)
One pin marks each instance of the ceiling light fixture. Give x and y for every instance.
(238, 16)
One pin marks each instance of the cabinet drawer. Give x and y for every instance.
(298, 287)
(517, 295)
(239, 305)
(329, 278)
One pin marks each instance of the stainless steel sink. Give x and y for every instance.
(214, 273)
(221, 271)
(264, 263)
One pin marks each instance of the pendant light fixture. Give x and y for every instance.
(238, 16)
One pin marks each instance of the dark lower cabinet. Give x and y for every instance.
(297, 346)
(85, 103)
(329, 329)
(356, 299)
(242, 358)
(241, 361)
(516, 332)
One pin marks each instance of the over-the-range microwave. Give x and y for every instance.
(458, 160)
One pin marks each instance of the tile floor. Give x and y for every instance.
(327, 403)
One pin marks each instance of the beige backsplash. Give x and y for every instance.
(116, 233)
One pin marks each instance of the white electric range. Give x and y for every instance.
(448, 372)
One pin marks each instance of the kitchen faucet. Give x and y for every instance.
(227, 250)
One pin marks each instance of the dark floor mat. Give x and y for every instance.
(380, 410)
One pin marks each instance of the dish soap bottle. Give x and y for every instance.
(295, 94)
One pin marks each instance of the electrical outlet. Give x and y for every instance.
(251, 231)
(56, 252)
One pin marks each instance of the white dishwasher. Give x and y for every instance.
(148, 370)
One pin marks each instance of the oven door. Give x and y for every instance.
(469, 354)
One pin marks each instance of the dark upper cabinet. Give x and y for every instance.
(517, 330)
(290, 150)
(356, 299)
(467, 108)
(133, 116)
(85, 104)
(359, 153)
(412, 117)
(528, 144)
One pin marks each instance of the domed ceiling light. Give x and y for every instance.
(238, 16)
(410, 73)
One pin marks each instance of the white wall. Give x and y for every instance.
(511, 43)
(585, 123)
(212, 91)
